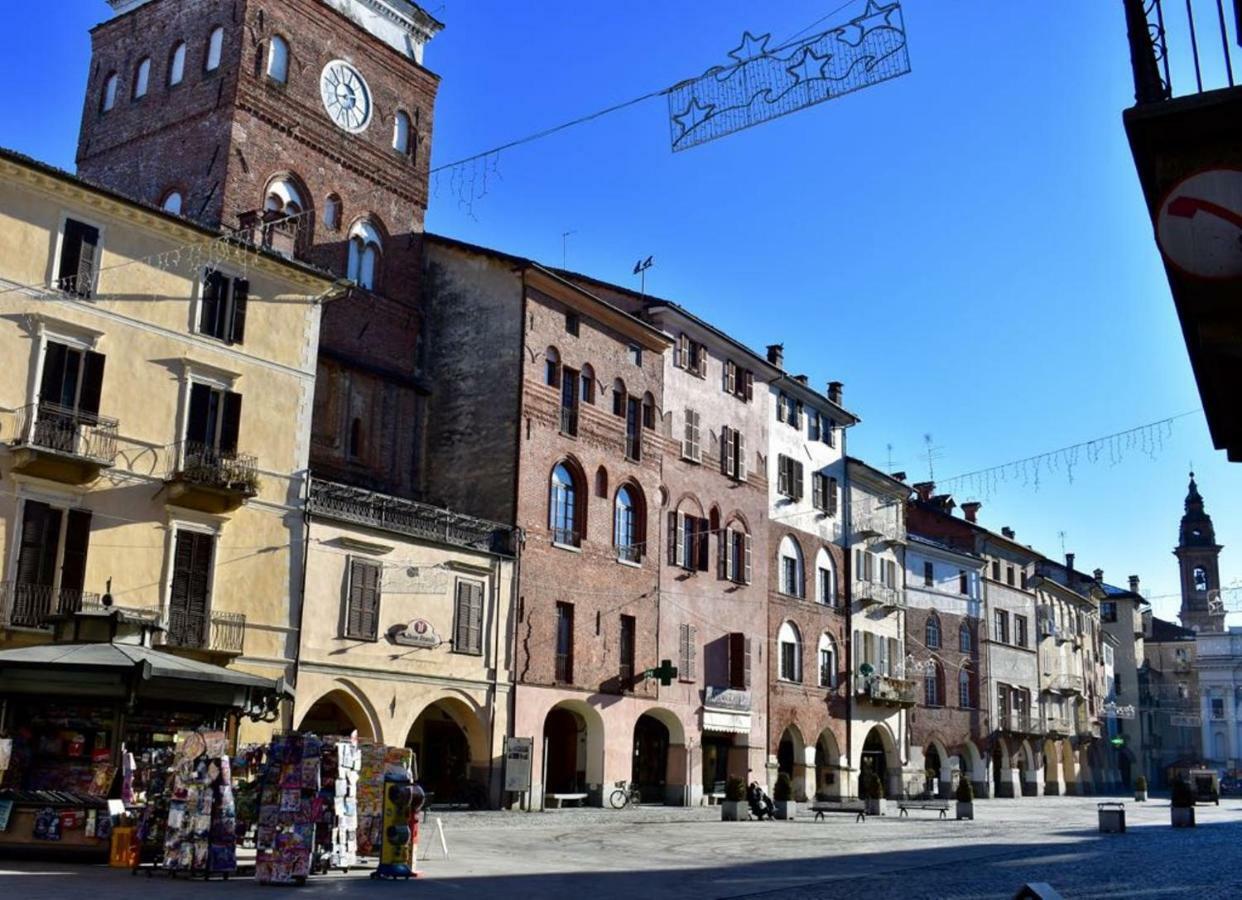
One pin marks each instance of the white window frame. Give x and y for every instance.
(277, 69)
(782, 638)
(215, 50)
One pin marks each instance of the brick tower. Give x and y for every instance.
(229, 110)
(1198, 556)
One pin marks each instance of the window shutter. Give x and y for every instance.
(797, 467)
(702, 543)
(369, 614)
(51, 387)
(728, 464)
(740, 440)
(230, 425)
(92, 383)
(827, 434)
(179, 590)
(690, 672)
(749, 378)
(461, 634)
(782, 475)
(475, 637)
(36, 561)
(737, 660)
(70, 255)
(680, 550)
(214, 289)
(797, 421)
(700, 358)
(746, 558)
(730, 377)
(747, 664)
(726, 554)
(77, 540)
(241, 294)
(672, 538)
(680, 351)
(695, 435)
(196, 426)
(832, 496)
(683, 650)
(817, 491)
(87, 240)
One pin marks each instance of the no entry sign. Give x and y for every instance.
(1199, 226)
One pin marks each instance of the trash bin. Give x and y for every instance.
(1112, 817)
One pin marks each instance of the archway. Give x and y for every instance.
(973, 769)
(827, 765)
(1002, 769)
(791, 758)
(650, 766)
(573, 735)
(1069, 767)
(879, 756)
(932, 763)
(1052, 769)
(337, 712)
(448, 743)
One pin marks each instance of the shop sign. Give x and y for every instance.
(517, 763)
(1185, 721)
(417, 633)
(1113, 711)
(726, 698)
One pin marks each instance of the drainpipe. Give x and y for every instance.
(306, 526)
(848, 509)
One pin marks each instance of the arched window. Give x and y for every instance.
(364, 254)
(1201, 579)
(965, 639)
(588, 384)
(332, 212)
(142, 78)
(278, 60)
(791, 571)
(790, 645)
(107, 99)
(735, 552)
(552, 367)
(825, 579)
(601, 482)
(563, 507)
(648, 410)
(283, 196)
(401, 134)
(629, 533)
(172, 202)
(827, 661)
(965, 689)
(933, 695)
(619, 397)
(176, 64)
(215, 48)
(933, 632)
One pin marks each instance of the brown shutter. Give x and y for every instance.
(722, 553)
(702, 542)
(237, 313)
(230, 425)
(672, 537)
(737, 660)
(77, 539)
(92, 383)
(461, 638)
(215, 289)
(353, 603)
(36, 560)
(51, 386)
(362, 614)
(797, 485)
(188, 600)
(196, 425)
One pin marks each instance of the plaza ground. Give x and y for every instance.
(688, 854)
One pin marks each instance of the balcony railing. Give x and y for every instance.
(569, 420)
(211, 467)
(630, 553)
(220, 632)
(1190, 31)
(887, 690)
(566, 536)
(564, 668)
(69, 432)
(872, 592)
(1057, 725)
(1066, 684)
(1021, 723)
(361, 507)
(33, 605)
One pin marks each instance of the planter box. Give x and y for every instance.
(1183, 816)
(965, 810)
(1140, 796)
(786, 809)
(733, 811)
(1112, 818)
(874, 807)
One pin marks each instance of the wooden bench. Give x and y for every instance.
(559, 799)
(903, 809)
(820, 807)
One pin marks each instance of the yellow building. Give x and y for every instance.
(155, 404)
(407, 634)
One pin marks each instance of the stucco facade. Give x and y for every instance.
(101, 424)
(1218, 662)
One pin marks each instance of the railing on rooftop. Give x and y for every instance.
(362, 507)
(1171, 40)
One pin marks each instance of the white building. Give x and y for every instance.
(1218, 662)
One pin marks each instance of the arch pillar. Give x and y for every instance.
(1069, 766)
(1054, 784)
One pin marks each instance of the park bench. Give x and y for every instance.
(820, 807)
(717, 794)
(903, 809)
(559, 799)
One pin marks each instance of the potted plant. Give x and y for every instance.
(1182, 805)
(1140, 789)
(733, 807)
(782, 794)
(965, 799)
(873, 793)
(932, 780)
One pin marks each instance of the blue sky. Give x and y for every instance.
(965, 247)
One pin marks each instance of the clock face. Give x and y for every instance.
(346, 96)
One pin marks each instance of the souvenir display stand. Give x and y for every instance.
(377, 760)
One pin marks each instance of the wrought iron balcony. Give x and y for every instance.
(63, 444)
(273, 230)
(33, 605)
(1065, 684)
(220, 632)
(1057, 726)
(344, 503)
(1194, 37)
(885, 690)
(1021, 723)
(209, 479)
(871, 593)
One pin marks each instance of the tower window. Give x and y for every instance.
(142, 78)
(364, 255)
(108, 99)
(278, 60)
(172, 202)
(176, 65)
(401, 134)
(215, 48)
(1200, 578)
(332, 212)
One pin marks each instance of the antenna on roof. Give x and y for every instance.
(640, 269)
(932, 454)
(565, 247)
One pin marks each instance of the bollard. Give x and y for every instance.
(1112, 817)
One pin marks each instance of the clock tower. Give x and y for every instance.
(318, 112)
(1198, 557)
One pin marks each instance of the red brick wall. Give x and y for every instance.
(949, 724)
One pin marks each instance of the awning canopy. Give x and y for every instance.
(726, 722)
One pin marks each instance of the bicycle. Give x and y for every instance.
(626, 794)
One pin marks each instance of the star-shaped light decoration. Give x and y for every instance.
(873, 17)
(694, 115)
(751, 47)
(809, 66)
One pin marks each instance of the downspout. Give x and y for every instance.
(306, 523)
(519, 538)
(847, 508)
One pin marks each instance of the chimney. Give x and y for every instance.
(971, 510)
(1007, 531)
(924, 489)
(1099, 574)
(899, 476)
(1134, 584)
(776, 354)
(834, 391)
(1069, 561)
(802, 379)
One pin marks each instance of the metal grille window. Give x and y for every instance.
(564, 643)
(468, 618)
(362, 605)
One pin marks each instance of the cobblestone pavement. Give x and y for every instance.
(688, 854)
